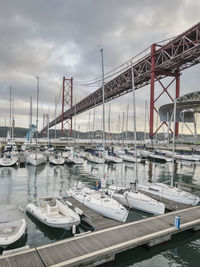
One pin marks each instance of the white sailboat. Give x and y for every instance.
(12, 225)
(131, 197)
(169, 191)
(112, 158)
(54, 213)
(74, 158)
(94, 159)
(35, 157)
(159, 157)
(130, 158)
(10, 153)
(56, 159)
(98, 200)
(8, 160)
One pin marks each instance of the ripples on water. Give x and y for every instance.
(20, 186)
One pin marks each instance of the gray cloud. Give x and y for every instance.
(52, 38)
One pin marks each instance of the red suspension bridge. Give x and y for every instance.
(162, 61)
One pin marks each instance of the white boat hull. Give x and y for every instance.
(53, 220)
(31, 159)
(56, 161)
(130, 158)
(172, 193)
(95, 159)
(113, 159)
(8, 162)
(105, 206)
(139, 201)
(7, 236)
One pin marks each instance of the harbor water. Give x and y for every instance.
(20, 186)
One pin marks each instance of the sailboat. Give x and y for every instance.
(35, 157)
(131, 197)
(94, 158)
(98, 200)
(169, 191)
(10, 153)
(55, 158)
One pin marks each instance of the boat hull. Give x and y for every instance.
(51, 221)
(6, 240)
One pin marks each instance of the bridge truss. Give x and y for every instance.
(162, 61)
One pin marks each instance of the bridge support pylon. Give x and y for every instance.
(67, 102)
(156, 76)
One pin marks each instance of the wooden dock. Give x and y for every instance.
(95, 220)
(101, 246)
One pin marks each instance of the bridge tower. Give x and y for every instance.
(157, 75)
(67, 103)
(45, 122)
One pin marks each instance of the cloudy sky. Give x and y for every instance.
(56, 38)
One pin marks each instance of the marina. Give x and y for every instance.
(99, 164)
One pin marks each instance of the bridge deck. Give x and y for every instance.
(104, 244)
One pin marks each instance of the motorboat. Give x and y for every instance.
(172, 193)
(35, 159)
(99, 202)
(133, 199)
(56, 159)
(53, 212)
(12, 225)
(8, 160)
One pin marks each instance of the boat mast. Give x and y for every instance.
(134, 124)
(145, 113)
(10, 110)
(127, 125)
(172, 177)
(30, 119)
(74, 131)
(123, 131)
(102, 65)
(93, 124)
(55, 116)
(36, 136)
(12, 118)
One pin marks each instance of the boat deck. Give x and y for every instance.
(169, 204)
(92, 218)
(101, 246)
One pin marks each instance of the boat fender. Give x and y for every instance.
(68, 203)
(21, 209)
(79, 211)
(74, 229)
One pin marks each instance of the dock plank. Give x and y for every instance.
(23, 259)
